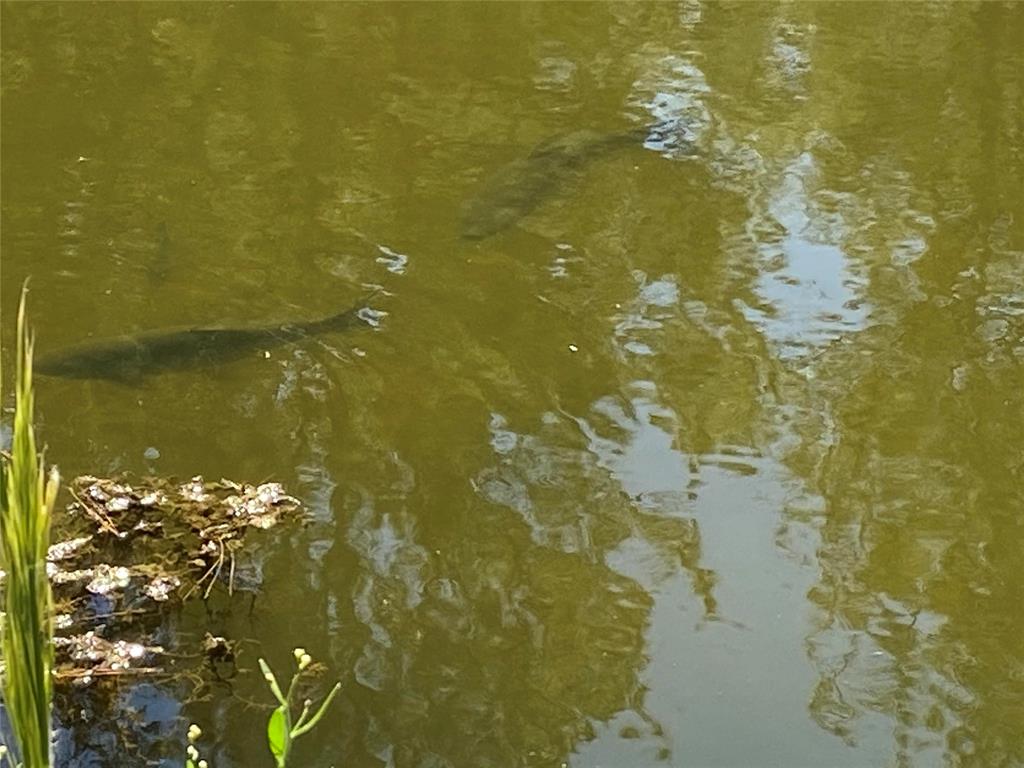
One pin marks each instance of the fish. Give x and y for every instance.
(129, 359)
(519, 187)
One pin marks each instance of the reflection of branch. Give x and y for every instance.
(828, 705)
(686, 544)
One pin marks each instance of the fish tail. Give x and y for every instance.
(354, 315)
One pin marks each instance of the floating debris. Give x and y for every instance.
(155, 497)
(148, 545)
(107, 578)
(161, 588)
(130, 554)
(60, 578)
(218, 648)
(98, 656)
(119, 504)
(64, 549)
(194, 490)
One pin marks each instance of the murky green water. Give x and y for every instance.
(710, 452)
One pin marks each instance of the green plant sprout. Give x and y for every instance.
(281, 731)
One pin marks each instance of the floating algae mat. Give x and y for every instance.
(138, 547)
(131, 554)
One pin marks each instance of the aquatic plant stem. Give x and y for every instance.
(281, 731)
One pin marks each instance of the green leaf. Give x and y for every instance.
(277, 735)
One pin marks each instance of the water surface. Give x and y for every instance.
(708, 458)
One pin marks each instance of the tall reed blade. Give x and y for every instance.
(26, 503)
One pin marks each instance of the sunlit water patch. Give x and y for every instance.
(636, 325)
(673, 93)
(813, 294)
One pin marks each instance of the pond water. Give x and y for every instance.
(689, 426)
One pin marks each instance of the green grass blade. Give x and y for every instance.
(26, 504)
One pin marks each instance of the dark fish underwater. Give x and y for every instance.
(130, 358)
(517, 188)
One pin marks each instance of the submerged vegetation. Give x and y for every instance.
(134, 553)
(137, 549)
